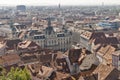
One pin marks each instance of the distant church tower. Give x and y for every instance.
(49, 30)
(102, 4)
(59, 6)
(63, 21)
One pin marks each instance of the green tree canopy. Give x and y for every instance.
(16, 74)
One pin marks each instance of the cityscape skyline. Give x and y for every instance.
(60, 40)
(56, 2)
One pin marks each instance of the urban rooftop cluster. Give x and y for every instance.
(60, 43)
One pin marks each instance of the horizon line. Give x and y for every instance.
(60, 4)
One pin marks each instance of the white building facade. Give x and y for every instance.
(116, 59)
(54, 40)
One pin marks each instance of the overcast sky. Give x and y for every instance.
(56, 2)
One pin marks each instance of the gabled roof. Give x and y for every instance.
(99, 41)
(103, 50)
(11, 44)
(100, 38)
(9, 59)
(106, 52)
(97, 35)
(26, 44)
(43, 71)
(104, 71)
(28, 58)
(112, 40)
(97, 38)
(74, 55)
(45, 58)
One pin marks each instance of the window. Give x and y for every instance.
(119, 57)
(55, 41)
(52, 42)
(49, 42)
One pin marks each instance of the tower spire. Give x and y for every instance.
(63, 21)
(59, 6)
(49, 22)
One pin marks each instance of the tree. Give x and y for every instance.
(16, 74)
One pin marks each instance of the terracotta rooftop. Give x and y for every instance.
(97, 35)
(102, 51)
(104, 71)
(11, 44)
(26, 44)
(74, 55)
(112, 40)
(47, 71)
(28, 58)
(9, 59)
(41, 71)
(106, 52)
(86, 34)
(61, 75)
(45, 58)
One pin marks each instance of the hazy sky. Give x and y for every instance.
(56, 2)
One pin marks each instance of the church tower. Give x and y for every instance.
(49, 30)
